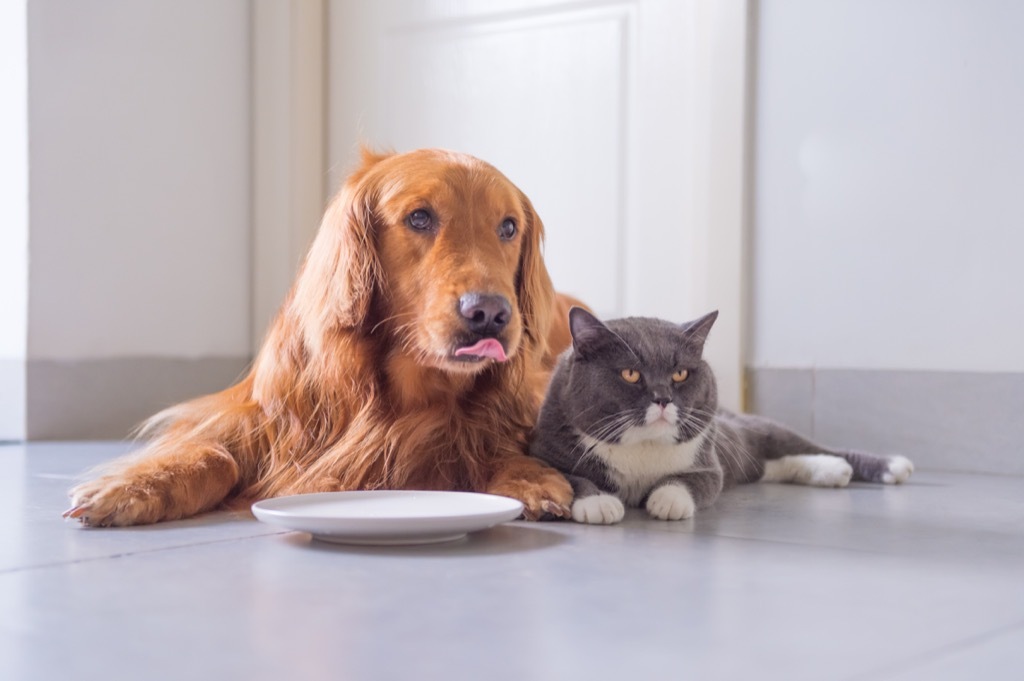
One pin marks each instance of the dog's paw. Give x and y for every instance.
(546, 496)
(671, 502)
(599, 509)
(115, 501)
(898, 470)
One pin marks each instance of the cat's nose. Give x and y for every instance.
(662, 401)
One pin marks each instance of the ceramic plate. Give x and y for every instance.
(388, 517)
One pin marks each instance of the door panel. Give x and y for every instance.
(599, 111)
(461, 88)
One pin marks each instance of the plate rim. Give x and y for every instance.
(269, 511)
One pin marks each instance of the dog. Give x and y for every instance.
(412, 352)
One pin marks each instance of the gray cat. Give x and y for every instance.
(631, 417)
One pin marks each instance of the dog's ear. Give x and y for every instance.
(533, 284)
(342, 270)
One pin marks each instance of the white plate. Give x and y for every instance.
(388, 517)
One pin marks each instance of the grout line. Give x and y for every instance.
(984, 474)
(782, 542)
(43, 566)
(814, 403)
(938, 654)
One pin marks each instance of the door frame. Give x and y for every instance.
(725, 81)
(289, 146)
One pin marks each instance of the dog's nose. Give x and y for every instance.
(485, 313)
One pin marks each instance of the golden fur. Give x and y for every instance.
(356, 385)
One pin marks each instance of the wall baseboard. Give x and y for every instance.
(958, 421)
(962, 421)
(107, 398)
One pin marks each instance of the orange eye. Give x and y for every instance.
(680, 375)
(630, 375)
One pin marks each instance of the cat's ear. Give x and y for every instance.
(697, 330)
(586, 329)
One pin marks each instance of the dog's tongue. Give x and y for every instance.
(488, 347)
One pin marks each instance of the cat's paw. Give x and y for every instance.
(824, 470)
(598, 509)
(671, 502)
(898, 470)
(819, 470)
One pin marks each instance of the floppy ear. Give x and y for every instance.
(342, 269)
(533, 284)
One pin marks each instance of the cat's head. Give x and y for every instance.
(639, 379)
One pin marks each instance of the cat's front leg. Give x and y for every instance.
(678, 497)
(671, 501)
(593, 505)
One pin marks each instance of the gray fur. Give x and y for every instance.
(592, 416)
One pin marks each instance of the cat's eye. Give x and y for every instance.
(630, 375)
(680, 375)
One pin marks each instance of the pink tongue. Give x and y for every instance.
(488, 347)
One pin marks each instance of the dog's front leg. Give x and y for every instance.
(545, 493)
(165, 483)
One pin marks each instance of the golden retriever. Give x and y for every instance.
(411, 353)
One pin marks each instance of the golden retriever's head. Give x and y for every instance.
(438, 250)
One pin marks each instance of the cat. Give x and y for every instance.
(631, 418)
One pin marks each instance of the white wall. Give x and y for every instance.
(13, 217)
(889, 220)
(139, 118)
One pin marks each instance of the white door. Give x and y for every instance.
(622, 121)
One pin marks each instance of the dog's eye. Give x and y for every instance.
(507, 229)
(420, 220)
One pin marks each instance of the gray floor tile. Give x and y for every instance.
(994, 656)
(34, 480)
(774, 582)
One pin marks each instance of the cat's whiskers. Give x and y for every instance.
(702, 420)
(691, 424)
(729, 444)
(609, 427)
(612, 431)
(604, 427)
(729, 451)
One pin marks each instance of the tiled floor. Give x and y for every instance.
(922, 582)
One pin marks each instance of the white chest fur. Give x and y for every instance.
(635, 466)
